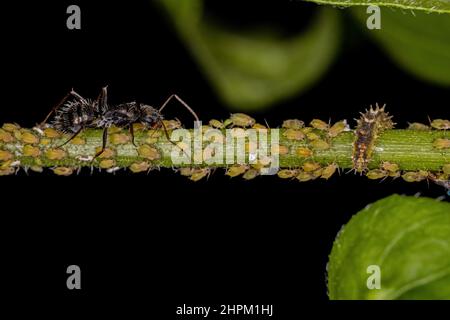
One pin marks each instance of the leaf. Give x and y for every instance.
(419, 43)
(254, 69)
(440, 6)
(407, 237)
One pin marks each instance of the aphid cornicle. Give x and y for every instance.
(74, 115)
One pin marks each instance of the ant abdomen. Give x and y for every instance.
(75, 115)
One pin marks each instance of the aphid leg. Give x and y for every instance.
(132, 135)
(104, 139)
(183, 103)
(71, 93)
(71, 138)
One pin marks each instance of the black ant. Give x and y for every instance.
(72, 116)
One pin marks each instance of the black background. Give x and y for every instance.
(160, 240)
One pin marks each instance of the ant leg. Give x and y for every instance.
(102, 99)
(71, 138)
(132, 135)
(183, 103)
(105, 139)
(168, 138)
(71, 93)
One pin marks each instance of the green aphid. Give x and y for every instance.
(319, 124)
(251, 174)
(236, 170)
(304, 176)
(338, 128)
(328, 171)
(216, 124)
(287, 173)
(376, 174)
(242, 120)
(418, 126)
(293, 134)
(441, 143)
(440, 124)
(415, 176)
(199, 174)
(388, 166)
(320, 144)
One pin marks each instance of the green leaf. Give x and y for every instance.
(254, 69)
(440, 6)
(407, 237)
(419, 43)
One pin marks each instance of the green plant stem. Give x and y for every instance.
(409, 149)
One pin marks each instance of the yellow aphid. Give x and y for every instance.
(151, 140)
(320, 144)
(186, 171)
(10, 127)
(138, 127)
(78, 141)
(236, 170)
(293, 134)
(28, 137)
(7, 171)
(391, 167)
(279, 149)
(63, 171)
(338, 128)
(418, 126)
(441, 143)
(148, 152)
(154, 133)
(312, 136)
(139, 167)
(287, 173)
(107, 153)
(251, 174)
(172, 124)
(376, 174)
(114, 129)
(38, 169)
(446, 168)
(31, 151)
(119, 138)
(216, 124)
(5, 155)
(317, 173)
(304, 152)
(199, 174)
(304, 176)
(107, 163)
(319, 124)
(310, 166)
(259, 126)
(55, 154)
(242, 120)
(5, 165)
(5, 136)
(293, 124)
(440, 124)
(45, 141)
(328, 171)
(51, 133)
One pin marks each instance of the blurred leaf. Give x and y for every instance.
(251, 70)
(407, 237)
(440, 6)
(419, 43)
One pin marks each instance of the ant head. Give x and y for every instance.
(149, 116)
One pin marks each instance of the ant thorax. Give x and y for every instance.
(125, 114)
